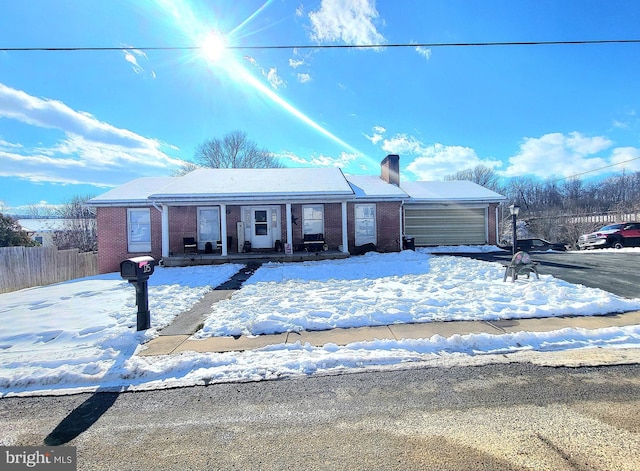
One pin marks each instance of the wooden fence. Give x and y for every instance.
(24, 267)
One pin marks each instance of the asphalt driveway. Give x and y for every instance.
(615, 272)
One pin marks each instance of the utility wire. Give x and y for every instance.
(594, 170)
(329, 46)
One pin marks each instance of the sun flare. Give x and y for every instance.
(213, 46)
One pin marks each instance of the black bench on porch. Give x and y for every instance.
(313, 243)
(189, 245)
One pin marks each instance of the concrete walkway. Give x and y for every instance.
(174, 344)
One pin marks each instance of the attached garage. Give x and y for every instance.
(450, 213)
(446, 226)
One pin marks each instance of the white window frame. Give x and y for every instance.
(314, 207)
(142, 241)
(365, 216)
(201, 240)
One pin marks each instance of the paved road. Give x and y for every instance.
(500, 417)
(618, 273)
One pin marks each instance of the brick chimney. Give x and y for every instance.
(390, 169)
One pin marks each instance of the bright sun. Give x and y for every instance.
(213, 46)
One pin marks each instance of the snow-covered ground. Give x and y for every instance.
(80, 335)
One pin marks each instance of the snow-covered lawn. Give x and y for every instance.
(80, 335)
(380, 289)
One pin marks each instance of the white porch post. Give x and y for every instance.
(165, 230)
(345, 238)
(223, 229)
(289, 228)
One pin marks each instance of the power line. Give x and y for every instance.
(329, 46)
(594, 170)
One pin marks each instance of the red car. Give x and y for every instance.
(624, 234)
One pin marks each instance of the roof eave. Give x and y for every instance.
(456, 200)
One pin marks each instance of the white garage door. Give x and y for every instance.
(452, 226)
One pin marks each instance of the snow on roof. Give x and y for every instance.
(135, 191)
(284, 183)
(457, 190)
(371, 186)
(43, 224)
(237, 183)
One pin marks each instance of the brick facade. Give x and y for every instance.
(113, 241)
(112, 229)
(387, 226)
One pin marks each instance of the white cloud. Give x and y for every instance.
(9, 145)
(251, 60)
(377, 136)
(430, 161)
(89, 151)
(131, 55)
(424, 52)
(627, 158)
(294, 63)
(274, 79)
(131, 59)
(403, 144)
(438, 161)
(347, 21)
(343, 160)
(271, 75)
(558, 155)
(304, 78)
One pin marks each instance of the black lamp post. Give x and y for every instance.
(514, 210)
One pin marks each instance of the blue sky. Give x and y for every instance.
(82, 122)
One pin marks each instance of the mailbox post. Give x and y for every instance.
(137, 271)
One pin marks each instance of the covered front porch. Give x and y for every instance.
(192, 259)
(214, 230)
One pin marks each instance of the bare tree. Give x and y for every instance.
(186, 167)
(234, 150)
(79, 228)
(480, 174)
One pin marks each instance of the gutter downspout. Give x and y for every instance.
(289, 228)
(345, 233)
(401, 221)
(497, 225)
(223, 229)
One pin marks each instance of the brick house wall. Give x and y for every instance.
(387, 226)
(113, 244)
(112, 237)
(183, 222)
(234, 216)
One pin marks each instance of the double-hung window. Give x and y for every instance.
(313, 219)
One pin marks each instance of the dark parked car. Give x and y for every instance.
(624, 234)
(537, 245)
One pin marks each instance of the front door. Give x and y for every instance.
(261, 237)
